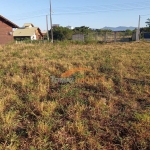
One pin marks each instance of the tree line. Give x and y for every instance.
(63, 33)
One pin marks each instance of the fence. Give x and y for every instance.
(78, 37)
(103, 37)
(31, 41)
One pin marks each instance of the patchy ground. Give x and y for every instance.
(107, 107)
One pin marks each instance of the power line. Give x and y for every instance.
(30, 17)
(102, 11)
(145, 15)
(105, 8)
(86, 12)
(106, 5)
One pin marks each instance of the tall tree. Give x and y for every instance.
(148, 22)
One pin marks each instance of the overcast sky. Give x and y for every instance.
(91, 13)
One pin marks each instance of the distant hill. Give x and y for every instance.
(120, 28)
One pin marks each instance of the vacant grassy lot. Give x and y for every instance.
(109, 111)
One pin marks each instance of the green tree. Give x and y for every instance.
(61, 33)
(82, 30)
(103, 30)
(128, 32)
(148, 22)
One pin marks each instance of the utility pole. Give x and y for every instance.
(51, 22)
(139, 26)
(47, 28)
(138, 30)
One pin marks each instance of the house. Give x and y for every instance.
(6, 30)
(28, 31)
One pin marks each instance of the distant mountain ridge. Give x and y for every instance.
(120, 28)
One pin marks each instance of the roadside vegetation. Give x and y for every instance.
(109, 111)
(63, 33)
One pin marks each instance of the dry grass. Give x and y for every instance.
(109, 113)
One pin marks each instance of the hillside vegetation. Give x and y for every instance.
(109, 110)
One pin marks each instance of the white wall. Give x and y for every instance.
(33, 37)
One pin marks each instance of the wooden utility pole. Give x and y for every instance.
(51, 22)
(47, 28)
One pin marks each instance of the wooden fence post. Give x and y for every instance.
(115, 33)
(105, 37)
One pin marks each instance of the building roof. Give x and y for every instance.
(8, 22)
(26, 31)
(28, 24)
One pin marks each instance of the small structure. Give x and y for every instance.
(134, 36)
(28, 31)
(28, 25)
(146, 35)
(55, 25)
(6, 30)
(78, 37)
